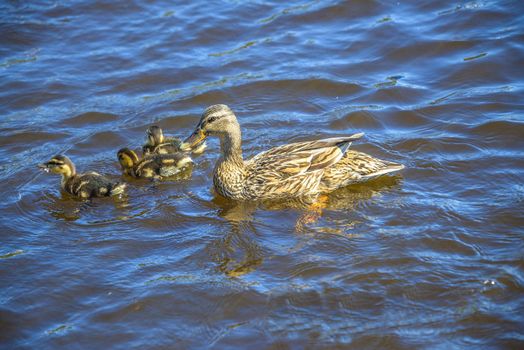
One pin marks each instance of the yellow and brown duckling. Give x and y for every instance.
(157, 143)
(152, 165)
(85, 185)
(294, 170)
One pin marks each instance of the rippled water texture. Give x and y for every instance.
(429, 258)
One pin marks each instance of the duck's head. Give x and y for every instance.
(217, 120)
(154, 135)
(59, 164)
(127, 159)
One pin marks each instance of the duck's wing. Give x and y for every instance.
(92, 184)
(295, 169)
(301, 157)
(365, 165)
(172, 139)
(170, 145)
(166, 148)
(164, 165)
(356, 167)
(172, 164)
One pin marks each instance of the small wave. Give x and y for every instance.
(89, 118)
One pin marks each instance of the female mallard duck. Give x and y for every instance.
(157, 143)
(84, 185)
(152, 165)
(294, 170)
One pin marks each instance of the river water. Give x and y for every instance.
(429, 258)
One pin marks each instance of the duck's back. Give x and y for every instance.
(294, 169)
(170, 146)
(355, 167)
(164, 165)
(92, 184)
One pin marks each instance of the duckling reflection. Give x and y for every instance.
(155, 166)
(86, 212)
(157, 143)
(82, 185)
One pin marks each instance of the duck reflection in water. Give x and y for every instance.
(310, 210)
(238, 253)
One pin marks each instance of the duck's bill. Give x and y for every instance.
(193, 141)
(44, 167)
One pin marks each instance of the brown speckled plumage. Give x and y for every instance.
(293, 170)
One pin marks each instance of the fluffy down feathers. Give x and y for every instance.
(92, 184)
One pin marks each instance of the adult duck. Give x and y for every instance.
(294, 170)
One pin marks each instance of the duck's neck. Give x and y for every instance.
(229, 174)
(66, 177)
(231, 147)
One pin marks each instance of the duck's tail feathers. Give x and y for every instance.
(118, 188)
(345, 142)
(389, 168)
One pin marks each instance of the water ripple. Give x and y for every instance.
(431, 257)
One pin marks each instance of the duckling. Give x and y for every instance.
(157, 143)
(152, 165)
(85, 185)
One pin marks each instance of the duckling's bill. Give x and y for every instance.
(44, 167)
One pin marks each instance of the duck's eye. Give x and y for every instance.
(212, 119)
